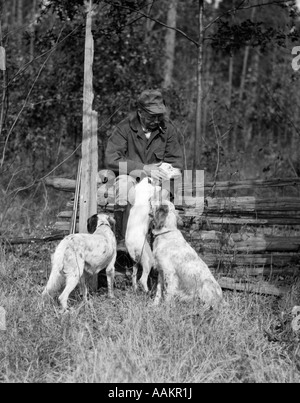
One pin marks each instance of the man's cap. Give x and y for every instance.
(152, 102)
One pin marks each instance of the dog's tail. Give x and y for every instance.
(56, 279)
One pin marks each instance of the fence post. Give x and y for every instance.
(88, 182)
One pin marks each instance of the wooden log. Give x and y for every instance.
(254, 271)
(21, 241)
(261, 287)
(58, 183)
(244, 184)
(66, 185)
(244, 242)
(66, 214)
(247, 259)
(247, 204)
(212, 220)
(64, 226)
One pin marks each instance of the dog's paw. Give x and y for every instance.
(113, 301)
(64, 311)
(46, 297)
(155, 302)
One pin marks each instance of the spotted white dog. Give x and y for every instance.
(137, 230)
(181, 272)
(77, 253)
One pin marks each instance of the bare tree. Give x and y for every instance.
(197, 134)
(230, 76)
(20, 21)
(32, 29)
(3, 67)
(245, 62)
(170, 43)
(13, 12)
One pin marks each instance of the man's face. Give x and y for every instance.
(149, 121)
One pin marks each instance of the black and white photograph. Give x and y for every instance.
(150, 194)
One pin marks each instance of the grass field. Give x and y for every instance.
(129, 340)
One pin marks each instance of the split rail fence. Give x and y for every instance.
(245, 228)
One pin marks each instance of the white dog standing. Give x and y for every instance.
(137, 229)
(83, 252)
(181, 272)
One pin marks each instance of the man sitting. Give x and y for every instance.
(137, 147)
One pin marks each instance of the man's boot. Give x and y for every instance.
(121, 222)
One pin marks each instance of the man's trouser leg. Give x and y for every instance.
(123, 184)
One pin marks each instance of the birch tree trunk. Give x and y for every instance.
(3, 68)
(244, 71)
(170, 44)
(13, 12)
(32, 30)
(255, 76)
(20, 22)
(197, 136)
(4, 11)
(245, 62)
(149, 24)
(230, 76)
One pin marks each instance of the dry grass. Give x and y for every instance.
(131, 341)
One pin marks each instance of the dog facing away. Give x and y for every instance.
(137, 229)
(78, 253)
(181, 271)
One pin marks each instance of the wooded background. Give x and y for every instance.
(225, 68)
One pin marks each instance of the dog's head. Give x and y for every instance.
(165, 216)
(159, 216)
(99, 219)
(145, 190)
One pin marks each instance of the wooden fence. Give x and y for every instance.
(247, 231)
(249, 227)
(254, 234)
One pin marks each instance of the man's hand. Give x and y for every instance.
(154, 172)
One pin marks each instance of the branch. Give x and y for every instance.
(24, 67)
(280, 108)
(158, 22)
(14, 192)
(232, 10)
(239, 7)
(24, 104)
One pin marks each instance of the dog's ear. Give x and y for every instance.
(142, 176)
(160, 216)
(178, 219)
(92, 223)
(112, 222)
